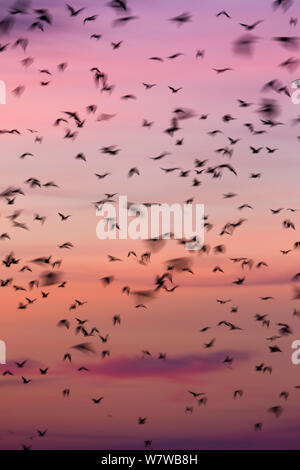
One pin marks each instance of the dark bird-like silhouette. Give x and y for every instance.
(74, 12)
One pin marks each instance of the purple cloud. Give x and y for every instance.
(172, 367)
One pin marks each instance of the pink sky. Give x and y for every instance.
(133, 386)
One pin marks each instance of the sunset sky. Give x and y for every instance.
(133, 385)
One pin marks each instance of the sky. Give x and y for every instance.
(131, 383)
